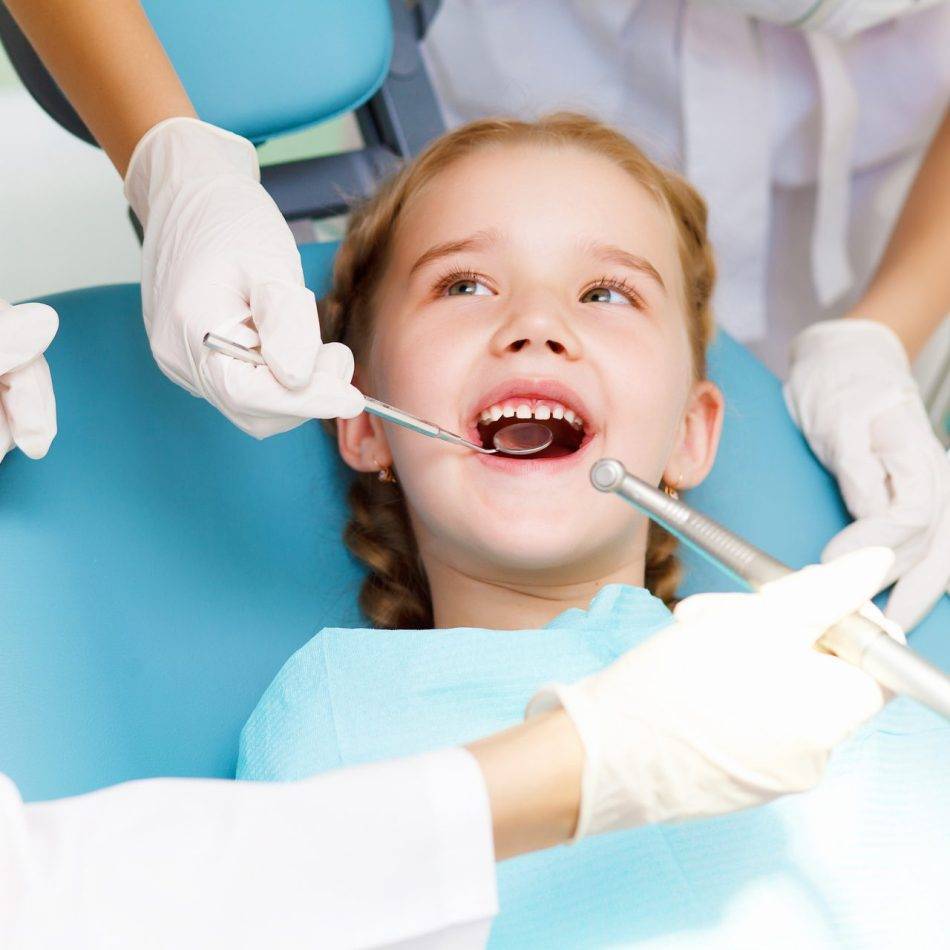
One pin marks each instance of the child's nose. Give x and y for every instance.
(538, 326)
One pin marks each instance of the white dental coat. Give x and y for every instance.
(394, 854)
(803, 145)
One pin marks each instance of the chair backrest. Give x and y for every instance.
(158, 566)
(263, 69)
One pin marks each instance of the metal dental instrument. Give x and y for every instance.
(856, 639)
(520, 438)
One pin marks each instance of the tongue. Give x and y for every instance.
(553, 451)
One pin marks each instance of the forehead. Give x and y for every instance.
(539, 196)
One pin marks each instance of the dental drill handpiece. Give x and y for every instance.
(855, 639)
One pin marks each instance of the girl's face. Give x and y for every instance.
(547, 278)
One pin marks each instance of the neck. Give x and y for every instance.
(460, 599)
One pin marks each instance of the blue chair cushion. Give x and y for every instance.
(159, 566)
(264, 69)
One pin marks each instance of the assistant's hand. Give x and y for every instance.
(851, 392)
(218, 256)
(27, 404)
(730, 706)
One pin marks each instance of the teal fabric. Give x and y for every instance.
(264, 69)
(158, 566)
(333, 702)
(860, 862)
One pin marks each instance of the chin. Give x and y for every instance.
(511, 531)
(532, 545)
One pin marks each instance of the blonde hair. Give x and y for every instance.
(396, 592)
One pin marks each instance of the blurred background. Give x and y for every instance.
(63, 218)
(62, 214)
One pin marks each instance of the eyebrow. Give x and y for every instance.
(489, 236)
(617, 255)
(475, 242)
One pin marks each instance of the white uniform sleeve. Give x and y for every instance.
(393, 853)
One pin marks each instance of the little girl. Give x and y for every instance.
(549, 270)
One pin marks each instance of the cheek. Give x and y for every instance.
(414, 371)
(647, 383)
(418, 373)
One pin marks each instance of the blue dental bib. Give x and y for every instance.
(860, 862)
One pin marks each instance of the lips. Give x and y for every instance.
(551, 403)
(531, 389)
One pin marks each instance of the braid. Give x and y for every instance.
(395, 595)
(662, 572)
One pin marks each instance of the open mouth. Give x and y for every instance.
(569, 430)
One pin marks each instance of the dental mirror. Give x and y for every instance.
(523, 438)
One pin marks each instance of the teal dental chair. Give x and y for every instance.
(158, 567)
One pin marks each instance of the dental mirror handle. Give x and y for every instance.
(400, 417)
(855, 639)
(406, 419)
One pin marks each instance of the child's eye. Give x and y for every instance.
(611, 290)
(600, 295)
(467, 287)
(462, 283)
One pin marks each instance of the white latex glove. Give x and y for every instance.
(218, 256)
(730, 706)
(852, 394)
(27, 404)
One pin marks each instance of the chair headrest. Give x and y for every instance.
(258, 69)
(261, 69)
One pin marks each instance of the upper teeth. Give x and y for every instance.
(525, 409)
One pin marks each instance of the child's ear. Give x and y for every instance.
(362, 443)
(362, 439)
(695, 449)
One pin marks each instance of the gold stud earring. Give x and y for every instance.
(385, 473)
(671, 489)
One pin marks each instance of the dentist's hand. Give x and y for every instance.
(851, 392)
(730, 706)
(218, 256)
(27, 405)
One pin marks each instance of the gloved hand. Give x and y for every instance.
(851, 392)
(27, 404)
(218, 256)
(729, 706)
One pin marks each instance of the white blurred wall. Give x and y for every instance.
(63, 220)
(62, 214)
